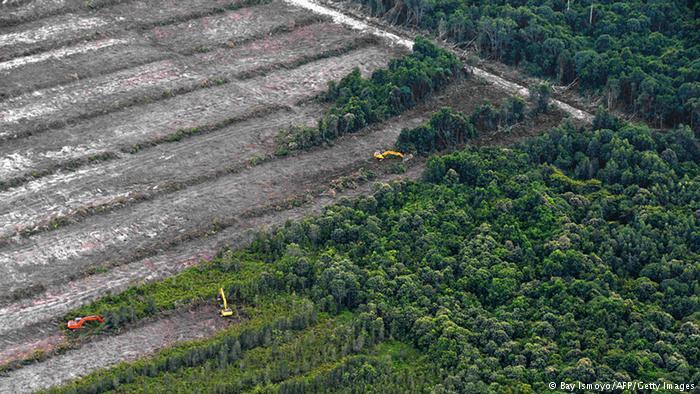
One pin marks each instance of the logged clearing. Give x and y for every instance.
(138, 138)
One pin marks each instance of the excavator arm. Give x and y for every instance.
(79, 322)
(387, 154)
(225, 310)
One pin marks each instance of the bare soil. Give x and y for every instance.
(214, 69)
(69, 64)
(51, 31)
(253, 95)
(51, 108)
(14, 12)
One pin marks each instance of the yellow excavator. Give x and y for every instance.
(223, 304)
(387, 154)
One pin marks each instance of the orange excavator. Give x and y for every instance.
(78, 322)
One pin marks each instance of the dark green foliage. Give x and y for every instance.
(512, 110)
(605, 120)
(540, 95)
(642, 55)
(574, 257)
(445, 129)
(390, 368)
(448, 129)
(358, 102)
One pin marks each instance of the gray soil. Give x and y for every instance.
(54, 107)
(202, 108)
(41, 33)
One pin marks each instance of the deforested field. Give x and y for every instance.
(92, 145)
(129, 135)
(137, 139)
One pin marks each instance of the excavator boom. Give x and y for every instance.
(225, 310)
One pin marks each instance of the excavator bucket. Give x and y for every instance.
(226, 312)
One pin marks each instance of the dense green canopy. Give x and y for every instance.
(642, 55)
(573, 257)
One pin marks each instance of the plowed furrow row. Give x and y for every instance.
(229, 28)
(160, 121)
(83, 99)
(148, 173)
(44, 153)
(35, 36)
(169, 219)
(15, 12)
(70, 64)
(142, 125)
(61, 30)
(91, 59)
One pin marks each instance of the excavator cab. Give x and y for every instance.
(79, 322)
(223, 304)
(387, 155)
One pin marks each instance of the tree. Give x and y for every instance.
(540, 96)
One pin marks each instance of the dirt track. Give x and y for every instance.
(128, 158)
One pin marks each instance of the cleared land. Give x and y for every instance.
(160, 109)
(137, 137)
